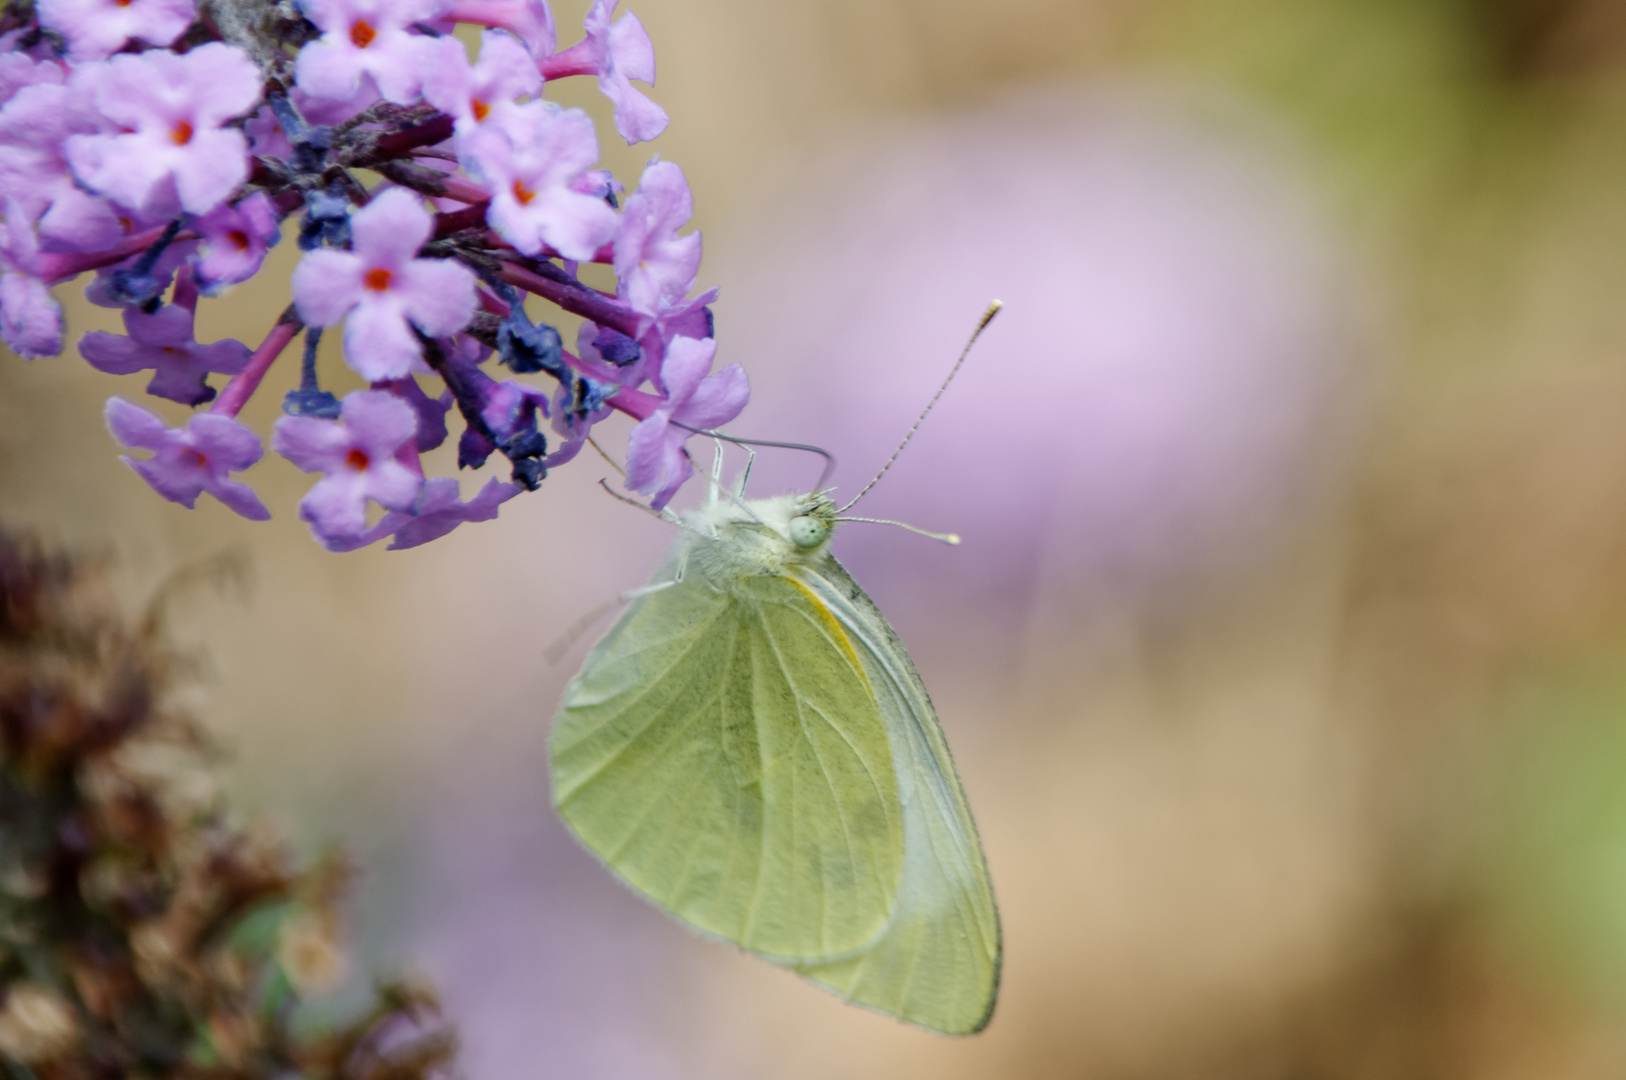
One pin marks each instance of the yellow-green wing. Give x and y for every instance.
(937, 963)
(724, 753)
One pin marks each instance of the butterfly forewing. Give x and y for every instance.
(724, 752)
(937, 963)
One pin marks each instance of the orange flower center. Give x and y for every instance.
(362, 34)
(181, 133)
(522, 194)
(357, 460)
(238, 239)
(480, 109)
(377, 279)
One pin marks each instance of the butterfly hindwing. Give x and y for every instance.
(937, 963)
(723, 751)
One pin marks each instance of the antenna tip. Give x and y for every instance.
(951, 538)
(988, 316)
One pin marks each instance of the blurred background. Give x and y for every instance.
(1285, 656)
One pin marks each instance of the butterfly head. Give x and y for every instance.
(815, 517)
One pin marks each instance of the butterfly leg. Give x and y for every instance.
(745, 473)
(716, 485)
(561, 645)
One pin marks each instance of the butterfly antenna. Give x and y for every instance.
(669, 518)
(982, 324)
(614, 464)
(947, 538)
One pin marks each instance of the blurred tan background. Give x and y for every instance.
(1285, 659)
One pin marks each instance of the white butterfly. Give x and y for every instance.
(751, 748)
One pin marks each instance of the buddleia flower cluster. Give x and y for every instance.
(160, 145)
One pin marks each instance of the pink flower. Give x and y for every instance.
(95, 29)
(615, 53)
(34, 124)
(171, 152)
(367, 453)
(437, 513)
(18, 70)
(30, 318)
(529, 20)
(189, 461)
(380, 290)
(654, 265)
(489, 90)
(163, 342)
(366, 41)
(235, 240)
(528, 163)
(655, 457)
(685, 319)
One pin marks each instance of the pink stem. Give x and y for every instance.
(635, 403)
(638, 404)
(185, 295)
(60, 267)
(462, 189)
(245, 382)
(493, 305)
(576, 299)
(586, 57)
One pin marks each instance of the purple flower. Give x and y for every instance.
(101, 292)
(367, 453)
(18, 70)
(655, 457)
(489, 90)
(686, 319)
(34, 124)
(378, 288)
(366, 41)
(235, 240)
(163, 342)
(30, 318)
(528, 163)
(431, 412)
(615, 53)
(437, 513)
(266, 137)
(654, 265)
(623, 367)
(171, 152)
(530, 20)
(188, 461)
(508, 410)
(95, 29)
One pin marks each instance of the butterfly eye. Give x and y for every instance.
(808, 532)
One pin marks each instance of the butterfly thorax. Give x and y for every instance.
(732, 538)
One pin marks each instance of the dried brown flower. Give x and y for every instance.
(142, 931)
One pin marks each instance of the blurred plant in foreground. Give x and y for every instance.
(162, 143)
(141, 932)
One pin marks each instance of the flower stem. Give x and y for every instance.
(245, 382)
(570, 294)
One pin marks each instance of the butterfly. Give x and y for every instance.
(751, 748)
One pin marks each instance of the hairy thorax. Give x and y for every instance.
(734, 539)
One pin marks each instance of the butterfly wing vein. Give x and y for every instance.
(762, 809)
